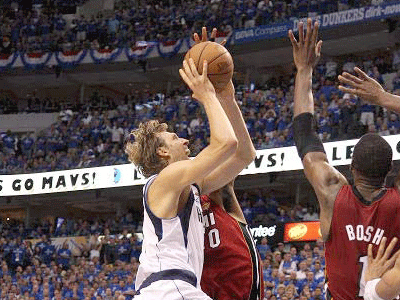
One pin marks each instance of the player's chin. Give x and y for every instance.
(187, 152)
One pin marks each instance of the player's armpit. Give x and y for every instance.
(326, 181)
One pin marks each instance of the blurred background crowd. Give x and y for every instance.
(31, 31)
(92, 133)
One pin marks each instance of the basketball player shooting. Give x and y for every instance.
(232, 266)
(172, 255)
(351, 216)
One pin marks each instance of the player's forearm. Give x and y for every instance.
(390, 101)
(221, 131)
(303, 98)
(389, 286)
(245, 149)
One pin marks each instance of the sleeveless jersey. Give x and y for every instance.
(232, 267)
(176, 243)
(355, 224)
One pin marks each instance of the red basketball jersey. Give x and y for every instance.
(232, 266)
(355, 224)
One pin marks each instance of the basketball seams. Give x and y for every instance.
(199, 58)
(218, 56)
(219, 59)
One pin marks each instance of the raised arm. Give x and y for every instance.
(368, 89)
(371, 91)
(325, 179)
(223, 142)
(245, 152)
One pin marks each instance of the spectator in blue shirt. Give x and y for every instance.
(64, 256)
(263, 248)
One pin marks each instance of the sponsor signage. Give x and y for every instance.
(269, 160)
(302, 231)
(351, 16)
(273, 233)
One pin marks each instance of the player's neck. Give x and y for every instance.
(369, 192)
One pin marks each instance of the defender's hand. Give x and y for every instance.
(363, 86)
(204, 36)
(306, 51)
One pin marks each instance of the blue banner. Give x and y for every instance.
(326, 21)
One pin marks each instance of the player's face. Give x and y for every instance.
(176, 148)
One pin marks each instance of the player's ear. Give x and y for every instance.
(163, 152)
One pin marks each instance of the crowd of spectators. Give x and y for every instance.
(35, 266)
(93, 134)
(46, 29)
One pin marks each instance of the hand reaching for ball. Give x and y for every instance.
(204, 36)
(220, 63)
(199, 83)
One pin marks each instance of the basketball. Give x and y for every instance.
(220, 63)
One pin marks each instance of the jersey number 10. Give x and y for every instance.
(213, 234)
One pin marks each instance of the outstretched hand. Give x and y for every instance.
(363, 86)
(199, 84)
(306, 51)
(381, 263)
(204, 38)
(229, 90)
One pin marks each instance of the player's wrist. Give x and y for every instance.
(304, 70)
(370, 290)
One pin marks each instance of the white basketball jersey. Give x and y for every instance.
(176, 243)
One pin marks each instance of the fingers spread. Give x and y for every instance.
(187, 69)
(318, 48)
(370, 255)
(389, 249)
(391, 262)
(292, 39)
(204, 74)
(347, 81)
(184, 77)
(204, 34)
(308, 33)
(381, 248)
(352, 77)
(349, 90)
(361, 73)
(196, 38)
(301, 32)
(214, 33)
(193, 67)
(314, 33)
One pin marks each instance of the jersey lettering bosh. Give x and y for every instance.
(355, 224)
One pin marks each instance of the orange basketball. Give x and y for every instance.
(220, 63)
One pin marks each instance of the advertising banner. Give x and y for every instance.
(273, 233)
(268, 160)
(302, 231)
(326, 21)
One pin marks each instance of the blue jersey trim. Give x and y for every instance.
(157, 223)
(171, 274)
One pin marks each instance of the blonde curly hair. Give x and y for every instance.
(142, 151)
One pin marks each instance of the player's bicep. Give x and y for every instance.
(324, 178)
